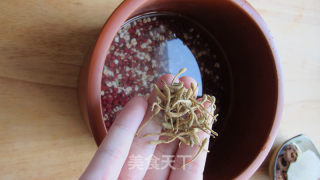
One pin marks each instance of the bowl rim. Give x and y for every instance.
(99, 53)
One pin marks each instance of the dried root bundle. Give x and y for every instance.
(182, 115)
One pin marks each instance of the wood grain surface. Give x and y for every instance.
(42, 46)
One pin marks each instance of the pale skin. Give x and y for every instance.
(112, 159)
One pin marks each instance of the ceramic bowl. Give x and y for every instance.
(248, 132)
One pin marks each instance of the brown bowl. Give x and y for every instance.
(256, 99)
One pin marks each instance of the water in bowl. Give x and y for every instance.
(153, 44)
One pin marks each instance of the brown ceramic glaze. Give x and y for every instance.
(251, 126)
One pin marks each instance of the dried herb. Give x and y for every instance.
(182, 115)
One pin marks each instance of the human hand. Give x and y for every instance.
(122, 155)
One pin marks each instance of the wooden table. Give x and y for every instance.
(42, 45)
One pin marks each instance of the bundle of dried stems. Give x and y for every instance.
(182, 115)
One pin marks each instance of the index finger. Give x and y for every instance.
(114, 149)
